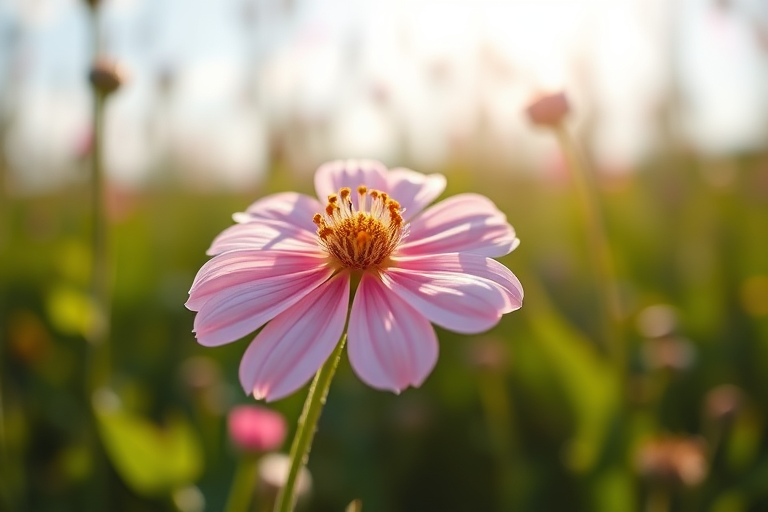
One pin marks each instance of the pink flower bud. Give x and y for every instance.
(549, 110)
(256, 429)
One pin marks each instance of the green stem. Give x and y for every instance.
(599, 247)
(241, 492)
(305, 432)
(99, 326)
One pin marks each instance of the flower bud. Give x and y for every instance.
(106, 75)
(549, 110)
(672, 460)
(256, 429)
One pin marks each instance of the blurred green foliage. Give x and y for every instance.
(530, 416)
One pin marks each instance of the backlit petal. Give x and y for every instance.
(467, 264)
(238, 267)
(413, 190)
(241, 309)
(391, 345)
(349, 173)
(459, 302)
(462, 223)
(293, 346)
(264, 235)
(291, 207)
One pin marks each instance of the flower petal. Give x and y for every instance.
(293, 346)
(458, 301)
(391, 346)
(240, 309)
(291, 207)
(332, 176)
(467, 264)
(462, 223)
(264, 234)
(413, 190)
(239, 267)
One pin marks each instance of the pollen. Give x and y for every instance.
(363, 234)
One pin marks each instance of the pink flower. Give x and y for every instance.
(289, 260)
(256, 429)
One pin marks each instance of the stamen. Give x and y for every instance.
(362, 234)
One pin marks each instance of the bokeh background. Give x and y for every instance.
(225, 101)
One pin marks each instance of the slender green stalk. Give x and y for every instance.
(241, 492)
(599, 247)
(305, 432)
(100, 278)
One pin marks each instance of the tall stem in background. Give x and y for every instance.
(100, 299)
(305, 432)
(550, 111)
(599, 248)
(105, 78)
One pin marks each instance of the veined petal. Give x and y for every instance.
(413, 190)
(239, 267)
(466, 264)
(459, 302)
(240, 309)
(462, 223)
(264, 234)
(293, 346)
(291, 207)
(391, 345)
(332, 176)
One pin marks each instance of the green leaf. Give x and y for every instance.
(151, 459)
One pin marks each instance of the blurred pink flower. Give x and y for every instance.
(289, 261)
(256, 429)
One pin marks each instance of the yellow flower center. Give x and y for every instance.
(360, 236)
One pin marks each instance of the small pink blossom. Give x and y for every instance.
(256, 429)
(288, 262)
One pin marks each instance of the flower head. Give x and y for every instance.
(256, 429)
(288, 262)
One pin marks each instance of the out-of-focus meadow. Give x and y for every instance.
(225, 102)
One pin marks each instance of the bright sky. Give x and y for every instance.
(403, 81)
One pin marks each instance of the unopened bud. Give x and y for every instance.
(256, 429)
(106, 75)
(673, 460)
(549, 110)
